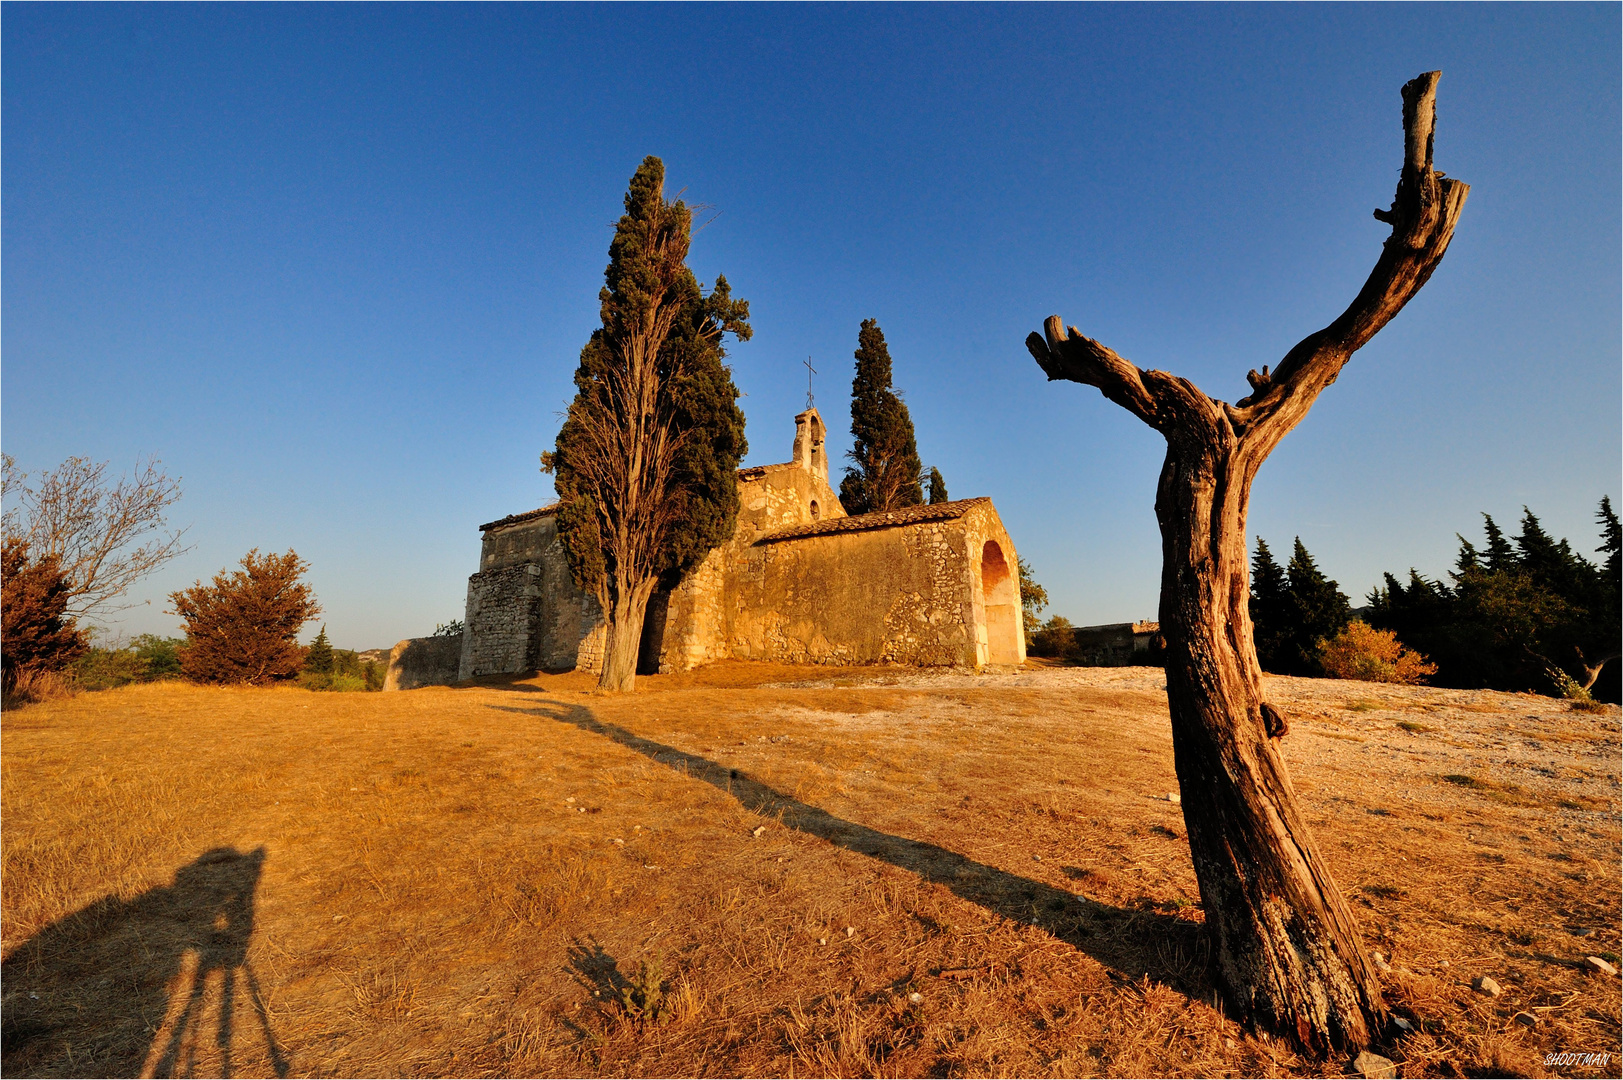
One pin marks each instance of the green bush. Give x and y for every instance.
(349, 674)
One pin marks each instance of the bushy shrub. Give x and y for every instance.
(242, 627)
(346, 673)
(1362, 652)
(1055, 640)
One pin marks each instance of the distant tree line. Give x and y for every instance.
(1520, 613)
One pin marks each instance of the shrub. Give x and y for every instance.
(1362, 652)
(161, 655)
(1056, 639)
(104, 669)
(243, 626)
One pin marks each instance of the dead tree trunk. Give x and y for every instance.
(1286, 949)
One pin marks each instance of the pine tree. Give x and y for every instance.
(1270, 608)
(938, 487)
(318, 659)
(1319, 609)
(646, 462)
(886, 474)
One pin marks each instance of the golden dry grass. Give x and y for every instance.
(768, 863)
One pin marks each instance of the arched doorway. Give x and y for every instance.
(1000, 593)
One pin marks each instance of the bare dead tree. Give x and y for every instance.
(1286, 949)
(105, 536)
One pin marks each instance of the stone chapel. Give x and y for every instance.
(799, 582)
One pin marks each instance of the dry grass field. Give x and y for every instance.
(758, 870)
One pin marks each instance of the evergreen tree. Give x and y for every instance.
(1500, 555)
(1270, 609)
(319, 659)
(646, 462)
(938, 487)
(243, 626)
(1319, 609)
(886, 474)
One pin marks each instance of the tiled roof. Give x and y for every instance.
(516, 519)
(883, 519)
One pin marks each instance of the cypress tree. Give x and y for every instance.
(938, 487)
(1500, 555)
(646, 461)
(886, 474)
(319, 658)
(1270, 608)
(1319, 610)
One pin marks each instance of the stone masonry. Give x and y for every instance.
(800, 581)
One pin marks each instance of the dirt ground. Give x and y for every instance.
(766, 870)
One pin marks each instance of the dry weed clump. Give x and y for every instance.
(751, 870)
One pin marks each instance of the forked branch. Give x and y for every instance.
(1423, 214)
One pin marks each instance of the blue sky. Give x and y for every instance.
(335, 264)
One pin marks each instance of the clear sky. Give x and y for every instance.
(335, 264)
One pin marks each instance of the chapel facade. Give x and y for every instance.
(800, 581)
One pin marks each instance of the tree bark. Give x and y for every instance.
(623, 641)
(1286, 949)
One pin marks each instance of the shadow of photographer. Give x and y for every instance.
(1129, 942)
(135, 987)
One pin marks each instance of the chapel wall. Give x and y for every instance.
(523, 610)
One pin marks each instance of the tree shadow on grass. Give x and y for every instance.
(134, 987)
(1129, 942)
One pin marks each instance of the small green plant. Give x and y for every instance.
(643, 996)
(1419, 729)
(1461, 780)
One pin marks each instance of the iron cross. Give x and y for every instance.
(810, 371)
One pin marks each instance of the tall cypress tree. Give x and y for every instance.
(886, 474)
(1270, 608)
(938, 487)
(1499, 555)
(646, 462)
(1319, 610)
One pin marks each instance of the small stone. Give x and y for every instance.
(1228, 1042)
(1487, 986)
(849, 930)
(758, 830)
(1526, 1019)
(1401, 1024)
(1381, 965)
(822, 941)
(1174, 797)
(1036, 858)
(916, 998)
(1442, 963)
(1374, 1066)
(570, 799)
(1581, 931)
(1600, 965)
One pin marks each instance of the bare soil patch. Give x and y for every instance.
(766, 870)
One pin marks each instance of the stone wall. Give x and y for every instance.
(425, 661)
(800, 581)
(899, 588)
(523, 611)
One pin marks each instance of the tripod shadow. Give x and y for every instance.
(1130, 942)
(123, 987)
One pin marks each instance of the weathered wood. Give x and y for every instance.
(1286, 948)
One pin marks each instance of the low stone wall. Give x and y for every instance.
(424, 661)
